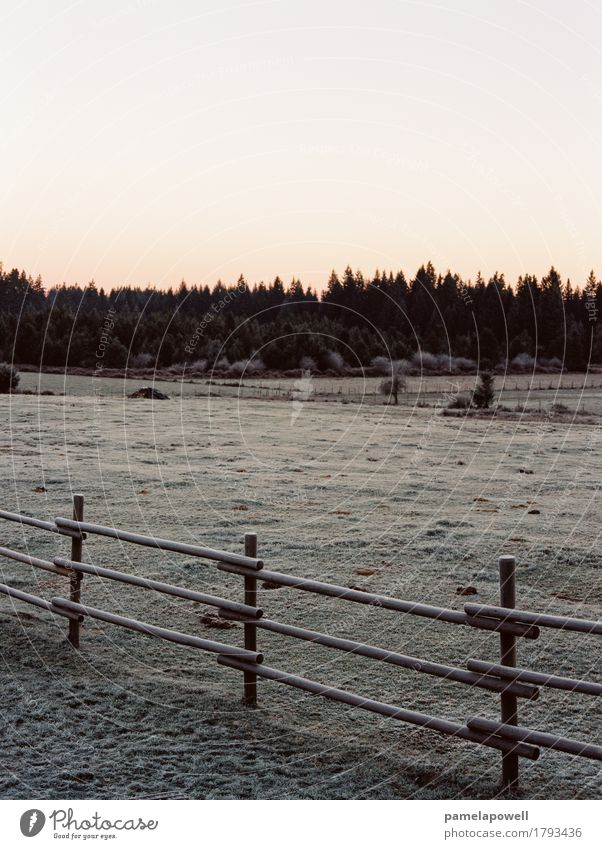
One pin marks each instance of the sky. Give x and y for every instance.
(150, 142)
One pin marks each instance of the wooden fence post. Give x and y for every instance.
(250, 678)
(76, 578)
(509, 708)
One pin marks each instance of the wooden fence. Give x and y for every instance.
(506, 679)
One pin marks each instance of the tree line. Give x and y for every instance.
(355, 323)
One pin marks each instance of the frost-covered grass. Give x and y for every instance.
(423, 502)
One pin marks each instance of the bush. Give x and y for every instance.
(9, 378)
(551, 365)
(386, 367)
(197, 366)
(392, 386)
(223, 364)
(255, 365)
(382, 365)
(252, 366)
(307, 364)
(143, 360)
(462, 364)
(460, 402)
(334, 361)
(425, 361)
(523, 362)
(237, 369)
(483, 394)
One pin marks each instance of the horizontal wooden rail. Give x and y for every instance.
(237, 617)
(163, 544)
(443, 726)
(161, 633)
(28, 520)
(529, 632)
(544, 620)
(537, 738)
(234, 607)
(37, 523)
(441, 614)
(513, 673)
(33, 561)
(38, 602)
(416, 664)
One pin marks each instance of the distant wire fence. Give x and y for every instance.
(506, 679)
(415, 390)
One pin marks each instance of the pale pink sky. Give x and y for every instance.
(151, 141)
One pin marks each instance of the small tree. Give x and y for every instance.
(483, 394)
(9, 378)
(393, 385)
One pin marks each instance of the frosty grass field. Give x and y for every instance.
(423, 502)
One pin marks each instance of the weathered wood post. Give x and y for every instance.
(250, 678)
(76, 578)
(509, 708)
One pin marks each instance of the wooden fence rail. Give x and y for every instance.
(441, 614)
(70, 525)
(563, 623)
(155, 631)
(13, 592)
(158, 586)
(506, 679)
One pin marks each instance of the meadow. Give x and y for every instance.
(341, 487)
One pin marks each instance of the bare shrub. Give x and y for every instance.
(382, 365)
(307, 364)
(393, 385)
(424, 360)
(523, 362)
(550, 365)
(254, 365)
(463, 364)
(460, 402)
(9, 378)
(142, 360)
(335, 361)
(198, 366)
(483, 394)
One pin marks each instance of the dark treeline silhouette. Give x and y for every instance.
(353, 323)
